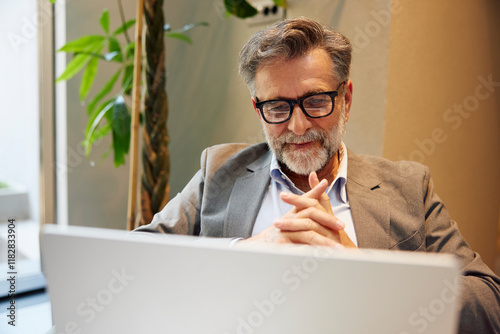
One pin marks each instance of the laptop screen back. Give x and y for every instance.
(103, 281)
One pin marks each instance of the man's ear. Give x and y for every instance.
(255, 107)
(347, 98)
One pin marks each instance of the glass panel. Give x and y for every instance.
(20, 177)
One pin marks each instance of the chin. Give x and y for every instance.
(304, 163)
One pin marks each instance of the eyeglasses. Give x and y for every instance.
(313, 106)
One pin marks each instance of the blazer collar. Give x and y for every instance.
(370, 209)
(246, 198)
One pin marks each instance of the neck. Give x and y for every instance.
(328, 172)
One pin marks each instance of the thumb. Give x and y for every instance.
(322, 198)
(313, 180)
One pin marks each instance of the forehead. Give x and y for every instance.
(293, 78)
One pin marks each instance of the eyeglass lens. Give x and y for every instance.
(315, 106)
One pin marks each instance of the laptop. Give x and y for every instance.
(110, 281)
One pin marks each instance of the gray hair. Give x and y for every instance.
(291, 39)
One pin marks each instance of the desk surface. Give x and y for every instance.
(33, 315)
(33, 312)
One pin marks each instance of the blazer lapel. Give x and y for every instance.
(369, 208)
(246, 198)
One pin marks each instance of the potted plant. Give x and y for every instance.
(109, 111)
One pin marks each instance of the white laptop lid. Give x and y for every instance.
(108, 281)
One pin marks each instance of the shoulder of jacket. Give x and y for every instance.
(385, 168)
(218, 155)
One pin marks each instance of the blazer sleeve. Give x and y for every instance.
(480, 287)
(186, 213)
(181, 215)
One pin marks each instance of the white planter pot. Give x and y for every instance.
(14, 204)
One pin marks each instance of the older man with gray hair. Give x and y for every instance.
(304, 186)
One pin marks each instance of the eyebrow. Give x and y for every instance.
(311, 92)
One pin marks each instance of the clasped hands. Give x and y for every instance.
(311, 220)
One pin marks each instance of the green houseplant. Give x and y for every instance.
(108, 110)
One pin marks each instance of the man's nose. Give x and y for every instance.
(299, 123)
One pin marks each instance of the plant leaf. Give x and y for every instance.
(240, 8)
(92, 54)
(187, 27)
(124, 27)
(113, 56)
(108, 87)
(104, 21)
(93, 123)
(180, 36)
(121, 130)
(88, 78)
(74, 66)
(179, 33)
(129, 50)
(85, 43)
(280, 3)
(115, 50)
(194, 25)
(128, 78)
(114, 45)
(99, 133)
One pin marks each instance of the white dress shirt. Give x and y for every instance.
(273, 207)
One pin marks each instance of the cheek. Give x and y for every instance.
(274, 130)
(329, 126)
(330, 122)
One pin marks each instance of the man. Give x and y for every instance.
(298, 76)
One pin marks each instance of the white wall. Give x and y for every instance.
(19, 132)
(440, 111)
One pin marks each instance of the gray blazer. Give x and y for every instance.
(393, 206)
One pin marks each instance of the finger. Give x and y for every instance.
(299, 202)
(304, 201)
(324, 218)
(316, 215)
(313, 180)
(323, 198)
(318, 221)
(300, 224)
(318, 189)
(311, 238)
(306, 225)
(269, 235)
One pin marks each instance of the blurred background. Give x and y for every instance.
(426, 80)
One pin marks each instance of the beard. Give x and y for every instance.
(305, 162)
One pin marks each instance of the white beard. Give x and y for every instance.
(312, 160)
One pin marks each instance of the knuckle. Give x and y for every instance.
(309, 225)
(309, 211)
(313, 238)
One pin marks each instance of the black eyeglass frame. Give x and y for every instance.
(300, 101)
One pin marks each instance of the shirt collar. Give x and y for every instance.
(338, 184)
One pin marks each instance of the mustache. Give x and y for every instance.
(311, 135)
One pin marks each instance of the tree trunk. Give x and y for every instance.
(155, 187)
